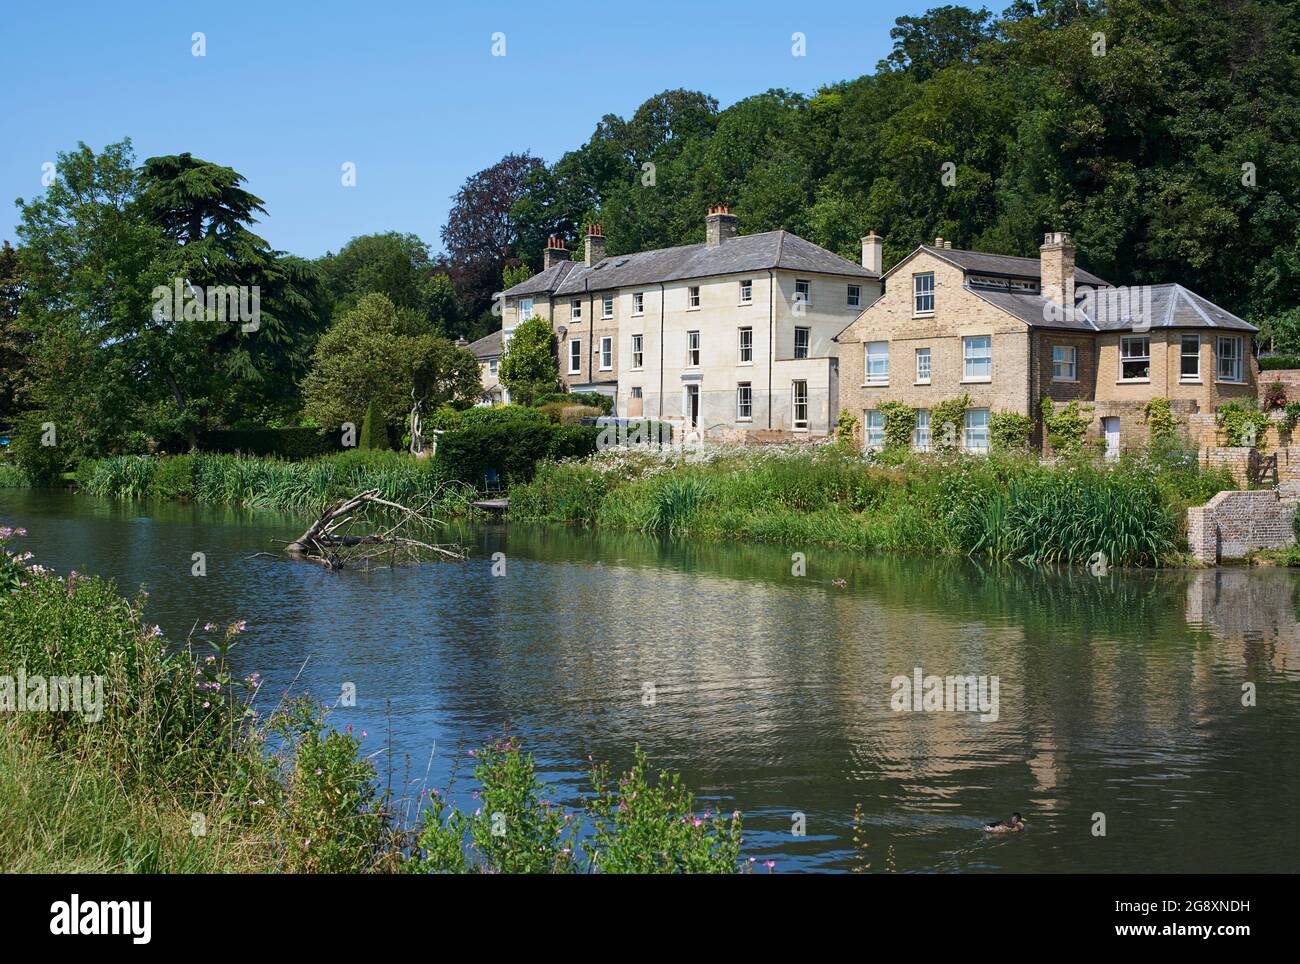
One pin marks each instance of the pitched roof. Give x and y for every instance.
(488, 346)
(747, 252)
(1164, 306)
(1001, 265)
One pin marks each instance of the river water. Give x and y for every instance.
(1119, 699)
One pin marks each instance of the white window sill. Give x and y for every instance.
(606, 317)
(572, 372)
(744, 364)
(977, 381)
(923, 314)
(926, 382)
(689, 308)
(875, 384)
(1065, 381)
(636, 368)
(605, 368)
(1229, 381)
(744, 418)
(1132, 381)
(744, 304)
(1190, 381)
(638, 314)
(800, 428)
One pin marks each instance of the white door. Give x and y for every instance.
(1110, 426)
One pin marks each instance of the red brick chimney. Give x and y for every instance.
(595, 247)
(555, 252)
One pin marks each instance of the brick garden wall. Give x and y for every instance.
(1234, 523)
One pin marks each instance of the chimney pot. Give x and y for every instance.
(719, 225)
(595, 246)
(555, 252)
(1056, 268)
(938, 242)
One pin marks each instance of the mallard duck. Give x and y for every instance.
(1014, 825)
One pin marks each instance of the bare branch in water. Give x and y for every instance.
(356, 532)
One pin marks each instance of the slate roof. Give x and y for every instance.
(487, 347)
(746, 252)
(1170, 306)
(998, 265)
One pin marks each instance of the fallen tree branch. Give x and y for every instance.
(329, 542)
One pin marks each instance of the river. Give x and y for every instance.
(1118, 699)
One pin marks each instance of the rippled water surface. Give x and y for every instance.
(771, 693)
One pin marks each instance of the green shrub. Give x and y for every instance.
(1066, 429)
(1160, 417)
(900, 423)
(12, 477)
(1009, 432)
(593, 399)
(173, 478)
(1270, 363)
(951, 412)
(295, 444)
(374, 432)
(1243, 423)
(511, 441)
(846, 429)
(42, 465)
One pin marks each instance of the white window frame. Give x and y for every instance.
(1237, 357)
(923, 294)
(638, 351)
(973, 433)
(875, 354)
(606, 307)
(795, 404)
(492, 366)
(807, 341)
(970, 357)
(923, 372)
(1124, 343)
(525, 313)
(1065, 368)
(1183, 356)
(803, 291)
(744, 401)
(921, 434)
(638, 302)
(575, 356)
(692, 349)
(693, 298)
(636, 391)
(747, 291)
(873, 430)
(575, 309)
(745, 345)
(606, 353)
(854, 296)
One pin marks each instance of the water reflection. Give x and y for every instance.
(1120, 695)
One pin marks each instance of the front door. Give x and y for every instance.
(693, 405)
(1110, 426)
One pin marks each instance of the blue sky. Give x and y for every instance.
(408, 92)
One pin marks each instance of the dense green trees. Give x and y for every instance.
(1162, 137)
(397, 266)
(111, 364)
(377, 352)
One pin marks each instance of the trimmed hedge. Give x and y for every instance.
(1272, 363)
(510, 441)
(295, 444)
(593, 399)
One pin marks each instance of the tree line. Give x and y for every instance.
(1160, 134)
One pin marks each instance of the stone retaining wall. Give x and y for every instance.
(1234, 523)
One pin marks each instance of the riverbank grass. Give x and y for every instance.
(171, 764)
(1000, 507)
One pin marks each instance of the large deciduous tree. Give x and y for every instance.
(481, 232)
(379, 352)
